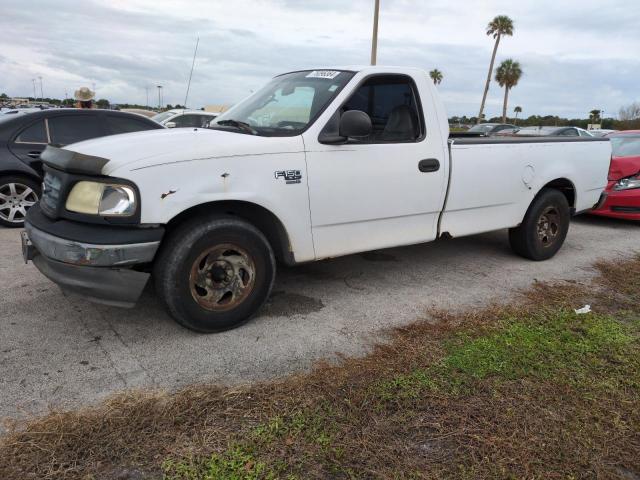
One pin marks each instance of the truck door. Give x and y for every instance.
(384, 190)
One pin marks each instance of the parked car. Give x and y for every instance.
(140, 111)
(23, 137)
(20, 111)
(488, 129)
(316, 164)
(554, 132)
(623, 189)
(601, 132)
(178, 118)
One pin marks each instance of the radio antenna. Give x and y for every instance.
(191, 73)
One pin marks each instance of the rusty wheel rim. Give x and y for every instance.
(548, 226)
(222, 277)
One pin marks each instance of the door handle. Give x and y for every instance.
(34, 154)
(429, 165)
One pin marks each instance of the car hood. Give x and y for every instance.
(132, 151)
(622, 167)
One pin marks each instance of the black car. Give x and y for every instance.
(23, 137)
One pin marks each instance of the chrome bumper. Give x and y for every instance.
(78, 253)
(99, 273)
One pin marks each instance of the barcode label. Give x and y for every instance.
(328, 74)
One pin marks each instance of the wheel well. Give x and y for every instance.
(567, 188)
(263, 219)
(20, 173)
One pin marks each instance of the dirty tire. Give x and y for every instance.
(17, 194)
(214, 273)
(544, 228)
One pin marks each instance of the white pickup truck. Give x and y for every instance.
(316, 164)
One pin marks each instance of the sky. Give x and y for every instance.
(576, 55)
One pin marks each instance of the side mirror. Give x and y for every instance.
(355, 124)
(170, 124)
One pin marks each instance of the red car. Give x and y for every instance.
(623, 189)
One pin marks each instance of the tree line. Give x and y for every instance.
(101, 103)
(554, 120)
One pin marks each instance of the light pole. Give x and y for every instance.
(146, 88)
(33, 80)
(374, 39)
(41, 94)
(159, 97)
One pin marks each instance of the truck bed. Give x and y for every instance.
(493, 180)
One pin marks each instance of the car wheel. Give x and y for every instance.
(214, 274)
(17, 195)
(544, 228)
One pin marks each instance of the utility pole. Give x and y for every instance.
(41, 94)
(159, 97)
(374, 39)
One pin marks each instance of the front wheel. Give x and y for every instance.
(214, 274)
(17, 195)
(544, 228)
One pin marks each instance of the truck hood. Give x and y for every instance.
(622, 167)
(132, 151)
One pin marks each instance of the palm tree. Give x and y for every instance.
(517, 110)
(436, 76)
(507, 76)
(594, 115)
(499, 26)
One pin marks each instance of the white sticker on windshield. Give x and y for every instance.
(328, 74)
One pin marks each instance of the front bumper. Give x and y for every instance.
(623, 204)
(101, 273)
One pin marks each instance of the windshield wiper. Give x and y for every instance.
(245, 127)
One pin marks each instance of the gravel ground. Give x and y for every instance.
(62, 352)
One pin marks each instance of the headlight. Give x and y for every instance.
(628, 183)
(106, 199)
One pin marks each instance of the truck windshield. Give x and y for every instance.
(286, 105)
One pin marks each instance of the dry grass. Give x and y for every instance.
(532, 391)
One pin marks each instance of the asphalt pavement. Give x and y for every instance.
(62, 352)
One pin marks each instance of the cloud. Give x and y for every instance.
(576, 55)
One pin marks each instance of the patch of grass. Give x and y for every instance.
(533, 391)
(234, 464)
(550, 344)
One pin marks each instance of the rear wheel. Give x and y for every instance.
(544, 228)
(17, 195)
(214, 274)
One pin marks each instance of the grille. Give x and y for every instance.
(626, 209)
(51, 187)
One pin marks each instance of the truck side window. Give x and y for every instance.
(392, 103)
